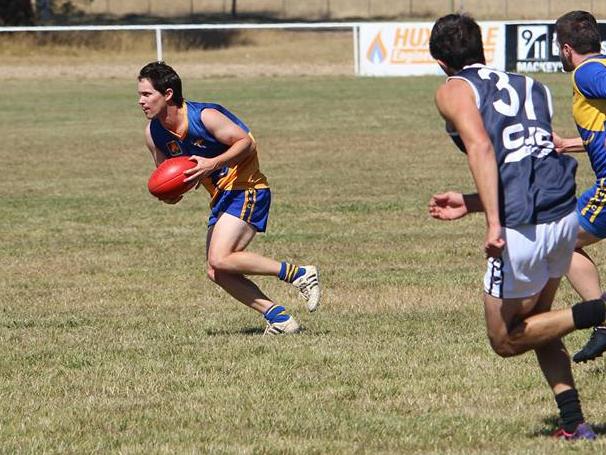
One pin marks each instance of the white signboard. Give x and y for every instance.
(402, 49)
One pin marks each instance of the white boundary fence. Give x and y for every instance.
(354, 26)
(394, 48)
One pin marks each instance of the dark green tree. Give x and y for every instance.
(16, 12)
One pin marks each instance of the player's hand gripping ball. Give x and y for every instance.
(167, 181)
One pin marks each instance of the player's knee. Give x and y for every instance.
(503, 350)
(502, 346)
(211, 273)
(218, 263)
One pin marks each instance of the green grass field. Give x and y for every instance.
(112, 340)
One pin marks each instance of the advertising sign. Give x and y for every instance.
(532, 47)
(402, 49)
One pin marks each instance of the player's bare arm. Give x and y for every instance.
(568, 145)
(456, 102)
(453, 205)
(227, 132)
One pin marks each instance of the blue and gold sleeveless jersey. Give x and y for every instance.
(198, 141)
(589, 109)
(536, 185)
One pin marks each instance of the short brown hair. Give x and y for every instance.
(163, 77)
(579, 30)
(456, 40)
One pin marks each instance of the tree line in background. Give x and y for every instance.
(16, 12)
(31, 12)
(43, 12)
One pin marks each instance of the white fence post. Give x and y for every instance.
(356, 49)
(159, 44)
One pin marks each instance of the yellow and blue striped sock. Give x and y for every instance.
(290, 272)
(276, 313)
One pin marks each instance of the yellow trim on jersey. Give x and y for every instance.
(182, 113)
(589, 114)
(244, 175)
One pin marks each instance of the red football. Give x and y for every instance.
(167, 181)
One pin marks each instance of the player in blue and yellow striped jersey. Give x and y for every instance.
(227, 165)
(579, 40)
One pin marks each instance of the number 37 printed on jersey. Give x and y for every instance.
(525, 136)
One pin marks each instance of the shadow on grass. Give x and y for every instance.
(235, 331)
(257, 331)
(552, 423)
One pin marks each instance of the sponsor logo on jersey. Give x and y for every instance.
(173, 148)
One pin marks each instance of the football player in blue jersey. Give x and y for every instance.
(227, 165)
(579, 41)
(502, 121)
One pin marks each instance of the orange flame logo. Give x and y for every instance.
(376, 51)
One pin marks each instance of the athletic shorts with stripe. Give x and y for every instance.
(590, 209)
(250, 205)
(533, 254)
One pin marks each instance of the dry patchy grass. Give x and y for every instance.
(119, 55)
(112, 340)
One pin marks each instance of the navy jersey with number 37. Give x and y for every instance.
(536, 185)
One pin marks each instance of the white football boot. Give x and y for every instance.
(282, 328)
(309, 286)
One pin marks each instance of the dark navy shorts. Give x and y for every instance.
(250, 205)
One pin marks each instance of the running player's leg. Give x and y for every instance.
(224, 239)
(252, 208)
(553, 356)
(554, 361)
(514, 328)
(512, 331)
(585, 279)
(583, 274)
(228, 236)
(527, 275)
(517, 325)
